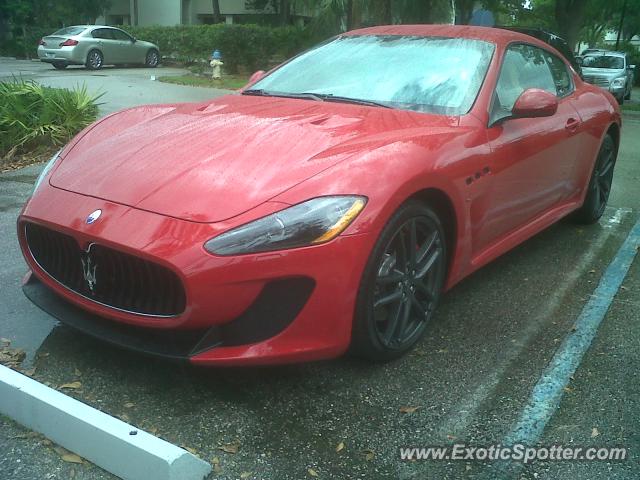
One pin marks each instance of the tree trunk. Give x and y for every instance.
(217, 18)
(385, 12)
(464, 10)
(569, 18)
(285, 12)
(27, 50)
(354, 15)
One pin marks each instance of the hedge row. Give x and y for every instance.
(25, 47)
(249, 47)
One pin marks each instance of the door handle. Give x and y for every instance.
(572, 124)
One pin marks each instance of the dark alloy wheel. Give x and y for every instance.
(94, 60)
(401, 284)
(599, 185)
(59, 65)
(152, 59)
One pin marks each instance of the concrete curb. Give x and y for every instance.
(94, 435)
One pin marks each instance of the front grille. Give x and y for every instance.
(598, 80)
(107, 276)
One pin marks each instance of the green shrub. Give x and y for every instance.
(32, 115)
(247, 47)
(25, 46)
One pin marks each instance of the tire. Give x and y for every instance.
(59, 65)
(95, 60)
(628, 95)
(620, 100)
(152, 59)
(599, 184)
(399, 292)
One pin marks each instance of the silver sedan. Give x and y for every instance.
(95, 46)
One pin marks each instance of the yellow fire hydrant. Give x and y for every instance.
(216, 63)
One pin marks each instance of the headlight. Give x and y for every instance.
(309, 223)
(618, 82)
(45, 171)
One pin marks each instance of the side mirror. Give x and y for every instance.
(632, 67)
(256, 76)
(579, 60)
(533, 103)
(134, 39)
(253, 79)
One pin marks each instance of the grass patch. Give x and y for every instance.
(34, 118)
(633, 107)
(230, 82)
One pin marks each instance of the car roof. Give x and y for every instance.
(488, 34)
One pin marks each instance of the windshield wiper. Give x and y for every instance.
(329, 97)
(266, 93)
(319, 97)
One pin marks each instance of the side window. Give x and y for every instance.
(102, 33)
(120, 35)
(523, 67)
(561, 75)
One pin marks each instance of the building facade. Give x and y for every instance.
(182, 12)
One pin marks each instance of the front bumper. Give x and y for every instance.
(275, 307)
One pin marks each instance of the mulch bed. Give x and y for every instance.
(24, 159)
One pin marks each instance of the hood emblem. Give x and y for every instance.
(89, 269)
(93, 216)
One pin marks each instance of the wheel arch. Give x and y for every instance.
(445, 209)
(614, 131)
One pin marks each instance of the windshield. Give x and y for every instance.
(603, 61)
(70, 31)
(426, 74)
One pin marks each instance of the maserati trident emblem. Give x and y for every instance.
(93, 216)
(89, 269)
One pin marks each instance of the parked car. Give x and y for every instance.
(324, 208)
(610, 71)
(588, 51)
(95, 46)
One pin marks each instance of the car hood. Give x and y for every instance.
(213, 161)
(604, 72)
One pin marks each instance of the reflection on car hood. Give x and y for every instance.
(210, 162)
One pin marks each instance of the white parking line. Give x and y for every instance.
(467, 408)
(547, 393)
(110, 443)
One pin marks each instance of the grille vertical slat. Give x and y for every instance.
(123, 281)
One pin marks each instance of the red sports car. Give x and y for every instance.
(325, 207)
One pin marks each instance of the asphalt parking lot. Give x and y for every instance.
(467, 381)
(120, 87)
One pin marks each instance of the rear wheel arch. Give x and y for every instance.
(89, 52)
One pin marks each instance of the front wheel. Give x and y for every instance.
(59, 65)
(401, 284)
(599, 184)
(152, 59)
